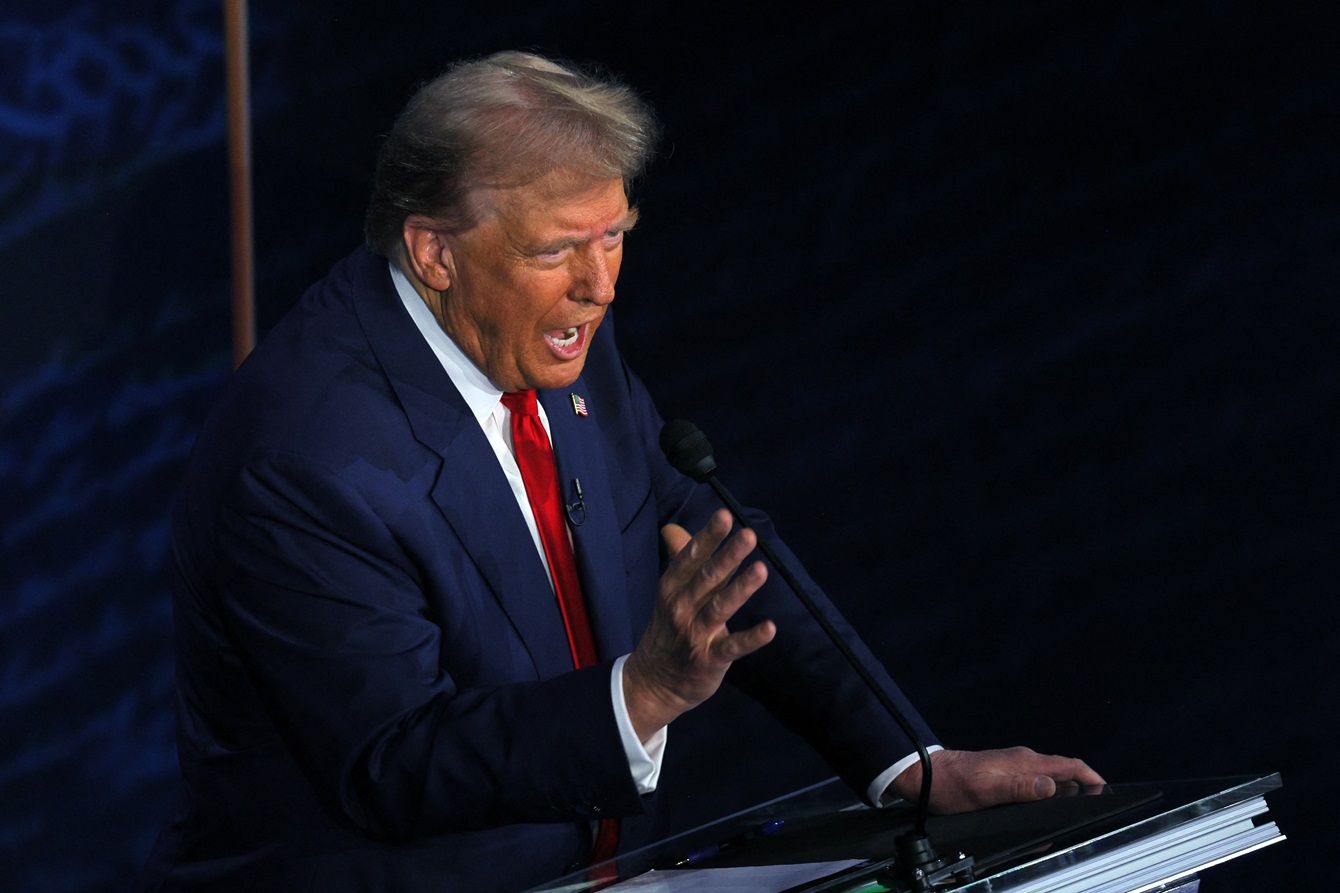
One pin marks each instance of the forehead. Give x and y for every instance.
(557, 203)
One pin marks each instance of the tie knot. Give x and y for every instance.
(521, 403)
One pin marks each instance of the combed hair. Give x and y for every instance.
(501, 121)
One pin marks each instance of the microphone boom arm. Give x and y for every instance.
(917, 865)
(923, 806)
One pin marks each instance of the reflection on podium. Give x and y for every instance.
(1111, 839)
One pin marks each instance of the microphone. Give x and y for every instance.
(689, 452)
(576, 510)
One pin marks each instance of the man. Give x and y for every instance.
(397, 669)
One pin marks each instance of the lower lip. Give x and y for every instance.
(573, 350)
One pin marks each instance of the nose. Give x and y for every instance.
(593, 282)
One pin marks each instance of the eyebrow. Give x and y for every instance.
(628, 221)
(624, 224)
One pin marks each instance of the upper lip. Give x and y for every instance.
(572, 325)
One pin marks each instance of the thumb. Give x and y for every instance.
(1032, 787)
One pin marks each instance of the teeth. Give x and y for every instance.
(569, 338)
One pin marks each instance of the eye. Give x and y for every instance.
(613, 238)
(551, 255)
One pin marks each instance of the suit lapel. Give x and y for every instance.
(579, 453)
(477, 502)
(471, 490)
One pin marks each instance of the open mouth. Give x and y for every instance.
(561, 338)
(567, 343)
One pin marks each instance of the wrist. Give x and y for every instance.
(650, 707)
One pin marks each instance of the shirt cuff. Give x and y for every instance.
(644, 761)
(878, 793)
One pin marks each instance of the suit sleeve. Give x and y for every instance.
(326, 610)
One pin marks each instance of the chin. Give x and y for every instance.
(557, 379)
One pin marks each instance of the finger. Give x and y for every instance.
(722, 605)
(1082, 774)
(689, 555)
(990, 789)
(720, 570)
(1031, 787)
(1076, 772)
(675, 537)
(1066, 769)
(1059, 770)
(745, 642)
(704, 568)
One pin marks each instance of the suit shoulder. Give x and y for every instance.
(315, 386)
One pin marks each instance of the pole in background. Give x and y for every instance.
(239, 169)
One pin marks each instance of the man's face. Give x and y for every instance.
(531, 281)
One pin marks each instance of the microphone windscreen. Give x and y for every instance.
(688, 450)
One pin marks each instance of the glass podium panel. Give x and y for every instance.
(1115, 838)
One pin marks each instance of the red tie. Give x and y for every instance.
(535, 458)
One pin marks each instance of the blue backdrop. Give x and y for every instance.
(1036, 302)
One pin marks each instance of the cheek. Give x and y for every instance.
(516, 303)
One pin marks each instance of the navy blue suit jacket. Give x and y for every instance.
(375, 690)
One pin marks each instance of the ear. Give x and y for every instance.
(427, 252)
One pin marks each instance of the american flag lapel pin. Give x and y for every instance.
(578, 404)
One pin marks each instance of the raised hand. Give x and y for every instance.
(686, 649)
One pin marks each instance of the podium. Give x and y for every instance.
(1121, 838)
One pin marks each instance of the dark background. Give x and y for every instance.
(1019, 318)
